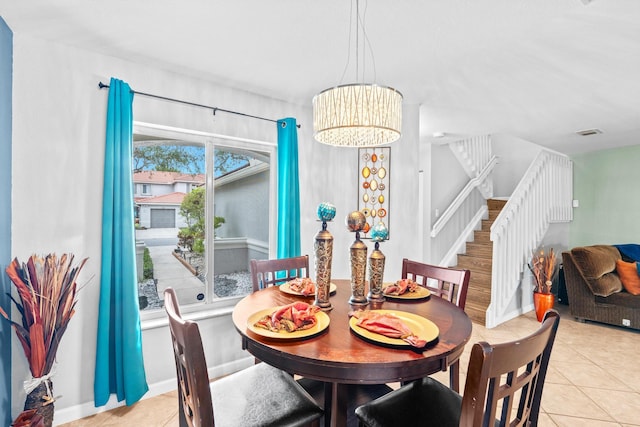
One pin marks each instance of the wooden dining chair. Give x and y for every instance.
(269, 272)
(444, 282)
(503, 387)
(260, 395)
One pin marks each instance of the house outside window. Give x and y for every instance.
(182, 243)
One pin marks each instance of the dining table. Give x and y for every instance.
(340, 354)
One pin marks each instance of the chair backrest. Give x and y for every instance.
(448, 283)
(509, 378)
(268, 272)
(195, 408)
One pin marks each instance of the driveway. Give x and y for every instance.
(167, 269)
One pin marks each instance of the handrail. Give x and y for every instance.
(460, 198)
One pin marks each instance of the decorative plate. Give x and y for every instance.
(423, 328)
(321, 325)
(286, 288)
(420, 293)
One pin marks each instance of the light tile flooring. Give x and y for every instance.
(593, 378)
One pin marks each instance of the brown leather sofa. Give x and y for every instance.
(594, 288)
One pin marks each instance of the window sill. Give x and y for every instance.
(220, 307)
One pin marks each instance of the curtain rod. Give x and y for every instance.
(214, 109)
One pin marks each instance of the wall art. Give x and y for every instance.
(373, 186)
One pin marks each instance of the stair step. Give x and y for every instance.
(496, 204)
(480, 249)
(481, 236)
(480, 278)
(479, 298)
(493, 214)
(474, 263)
(478, 259)
(486, 225)
(480, 284)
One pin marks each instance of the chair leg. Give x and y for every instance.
(454, 376)
(182, 419)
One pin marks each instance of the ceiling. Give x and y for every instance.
(536, 69)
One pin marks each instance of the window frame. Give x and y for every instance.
(211, 306)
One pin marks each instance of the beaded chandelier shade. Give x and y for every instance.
(357, 115)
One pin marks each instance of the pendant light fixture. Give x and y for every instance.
(358, 114)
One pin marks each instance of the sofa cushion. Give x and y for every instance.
(620, 299)
(628, 272)
(598, 265)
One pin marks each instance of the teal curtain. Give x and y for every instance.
(119, 362)
(288, 244)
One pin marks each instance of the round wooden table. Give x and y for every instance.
(339, 357)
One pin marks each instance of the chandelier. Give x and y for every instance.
(358, 114)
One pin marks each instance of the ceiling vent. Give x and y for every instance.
(588, 132)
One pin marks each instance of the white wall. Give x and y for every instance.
(330, 174)
(59, 129)
(514, 157)
(244, 204)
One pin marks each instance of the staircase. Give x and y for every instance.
(477, 259)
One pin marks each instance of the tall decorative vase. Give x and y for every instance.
(379, 233)
(323, 257)
(358, 251)
(376, 272)
(41, 400)
(542, 302)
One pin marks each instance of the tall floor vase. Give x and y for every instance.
(542, 302)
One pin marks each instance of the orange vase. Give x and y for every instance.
(542, 302)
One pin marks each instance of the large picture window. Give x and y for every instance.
(204, 208)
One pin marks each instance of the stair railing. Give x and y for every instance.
(456, 225)
(462, 196)
(474, 154)
(543, 196)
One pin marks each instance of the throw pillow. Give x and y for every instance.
(628, 272)
(597, 260)
(598, 265)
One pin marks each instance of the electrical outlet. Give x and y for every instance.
(626, 322)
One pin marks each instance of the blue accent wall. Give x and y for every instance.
(6, 75)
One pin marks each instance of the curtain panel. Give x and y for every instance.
(288, 244)
(119, 363)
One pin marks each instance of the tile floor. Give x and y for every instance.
(593, 378)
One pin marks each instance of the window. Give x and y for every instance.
(145, 189)
(209, 210)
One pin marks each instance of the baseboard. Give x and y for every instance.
(76, 412)
(497, 320)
